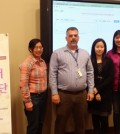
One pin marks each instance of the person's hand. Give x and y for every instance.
(90, 96)
(95, 90)
(98, 97)
(56, 99)
(29, 109)
(29, 106)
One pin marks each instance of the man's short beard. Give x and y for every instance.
(73, 42)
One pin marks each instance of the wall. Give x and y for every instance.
(20, 19)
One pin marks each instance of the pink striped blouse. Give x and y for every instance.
(33, 78)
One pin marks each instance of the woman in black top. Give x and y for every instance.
(100, 107)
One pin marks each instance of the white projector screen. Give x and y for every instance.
(93, 20)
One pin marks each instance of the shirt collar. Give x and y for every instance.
(35, 60)
(66, 49)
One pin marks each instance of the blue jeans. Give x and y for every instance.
(116, 112)
(35, 118)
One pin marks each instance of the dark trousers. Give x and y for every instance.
(75, 103)
(35, 118)
(100, 124)
(116, 112)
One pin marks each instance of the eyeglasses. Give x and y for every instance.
(37, 47)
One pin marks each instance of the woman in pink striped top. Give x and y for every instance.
(33, 85)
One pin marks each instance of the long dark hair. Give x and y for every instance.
(114, 48)
(93, 54)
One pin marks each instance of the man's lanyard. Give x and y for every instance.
(74, 57)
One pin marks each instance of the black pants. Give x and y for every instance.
(100, 124)
(116, 111)
(75, 103)
(35, 118)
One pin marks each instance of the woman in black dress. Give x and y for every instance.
(101, 107)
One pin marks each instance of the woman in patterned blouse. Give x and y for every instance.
(33, 85)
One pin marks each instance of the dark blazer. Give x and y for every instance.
(104, 86)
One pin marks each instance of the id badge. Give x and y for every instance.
(79, 73)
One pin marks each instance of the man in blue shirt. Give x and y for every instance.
(71, 72)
